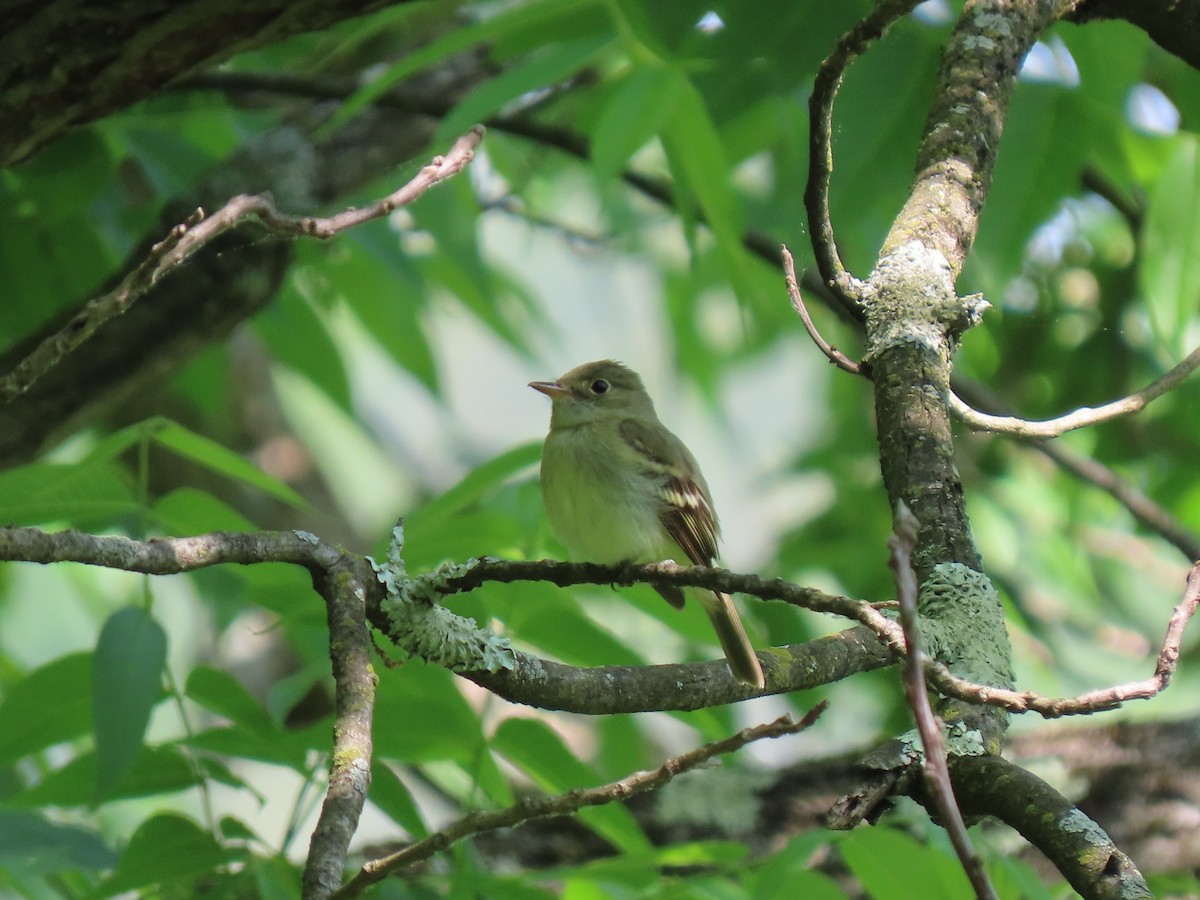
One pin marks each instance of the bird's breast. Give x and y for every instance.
(604, 510)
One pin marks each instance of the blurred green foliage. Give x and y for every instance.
(154, 754)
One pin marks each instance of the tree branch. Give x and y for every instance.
(1082, 417)
(344, 588)
(1150, 514)
(572, 801)
(835, 356)
(185, 239)
(602, 690)
(937, 774)
(1078, 847)
(845, 287)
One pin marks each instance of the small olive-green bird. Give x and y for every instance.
(619, 487)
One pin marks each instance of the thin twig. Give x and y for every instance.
(846, 288)
(197, 230)
(1091, 701)
(1082, 417)
(571, 801)
(1151, 515)
(835, 356)
(937, 773)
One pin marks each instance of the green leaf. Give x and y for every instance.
(538, 751)
(297, 334)
(51, 705)
(157, 770)
(876, 854)
(539, 18)
(544, 70)
(220, 459)
(387, 292)
(476, 484)
(221, 693)
(1170, 248)
(701, 168)
(190, 511)
(633, 115)
(393, 798)
(46, 492)
(29, 843)
(127, 672)
(423, 693)
(276, 879)
(165, 848)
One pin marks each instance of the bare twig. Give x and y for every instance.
(563, 804)
(197, 230)
(835, 356)
(1082, 417)
(845, 287)
(1150, 514)
(937, 773)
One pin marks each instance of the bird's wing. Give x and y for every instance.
(686, 510)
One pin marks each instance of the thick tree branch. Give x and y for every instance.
(602, 690)
(1078, 847)
(937, 773)
(69, 62)
(344, 588)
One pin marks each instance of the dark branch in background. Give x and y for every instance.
(70, 62)
(197, 231)
(572, 801)
(845, 287)
(123, 369)
(937, 774)
(1173, 26)
(1132, 209)
(572, 143)
(1146, 511)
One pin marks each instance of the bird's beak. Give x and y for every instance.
(551, 389)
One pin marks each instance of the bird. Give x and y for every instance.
(619, 487)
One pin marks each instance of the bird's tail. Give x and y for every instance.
(743, 662)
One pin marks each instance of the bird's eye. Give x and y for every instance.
(600, 386)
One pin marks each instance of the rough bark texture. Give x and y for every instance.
(66, 62)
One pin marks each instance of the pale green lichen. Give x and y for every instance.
(898, 753)
(962, 740)
(424, 628)
(726, 799)
(962, 625)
